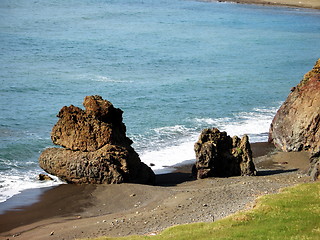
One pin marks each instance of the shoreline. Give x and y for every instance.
(309, 4)
(181, 171)
(80, 211)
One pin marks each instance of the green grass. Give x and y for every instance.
(292, 214)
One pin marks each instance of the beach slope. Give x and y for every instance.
(71, 211)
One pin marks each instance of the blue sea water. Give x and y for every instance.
(173, 66)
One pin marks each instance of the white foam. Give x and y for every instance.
(171, 129)
(252, 123)
(15, 182)
(162, 147)
(100, 78)
(169, 156)
(181, 139)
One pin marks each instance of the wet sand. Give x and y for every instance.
(70, 211)
(315, 4)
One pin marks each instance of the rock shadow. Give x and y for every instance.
(268, 172)
(173, 179)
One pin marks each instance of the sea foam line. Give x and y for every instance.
(14, 182)
(161, 159)
(251, 123)
(255, 124)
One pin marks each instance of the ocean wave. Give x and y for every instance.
(14, 182)
(159, 148)
(101, 78)
(172, 132)
(174, 144)
(255, 122)
(161, 159)
(108, 79)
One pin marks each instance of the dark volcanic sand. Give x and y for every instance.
(70, 211)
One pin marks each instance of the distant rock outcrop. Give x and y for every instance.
(219, 155)
(95, 147)
(296, 125)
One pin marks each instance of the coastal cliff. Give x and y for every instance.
(296, 125)
(95, 147)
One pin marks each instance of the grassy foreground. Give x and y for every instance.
(292, 214)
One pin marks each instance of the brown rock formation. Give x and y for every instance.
(96, 148)
(89, 130)
(296, 124)
(109, 164)
(219, 155)
(314, 170)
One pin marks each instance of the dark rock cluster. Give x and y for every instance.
(219, 155)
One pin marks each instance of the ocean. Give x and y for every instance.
(174, 67)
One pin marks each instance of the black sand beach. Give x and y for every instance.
(71, 211)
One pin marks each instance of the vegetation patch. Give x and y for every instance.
(294, 213)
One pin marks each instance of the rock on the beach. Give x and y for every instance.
(95, 147)
(44, 177)
(296, 125)
(219, 155)
(110, 164)
(314, 170)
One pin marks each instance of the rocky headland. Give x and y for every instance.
(296, 125)
(95, 148)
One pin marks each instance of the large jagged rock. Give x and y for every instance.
(296, 125)
(95, 147)
(89, 130)
(109, 164)
(219, 155)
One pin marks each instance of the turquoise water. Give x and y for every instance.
(174, 67)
